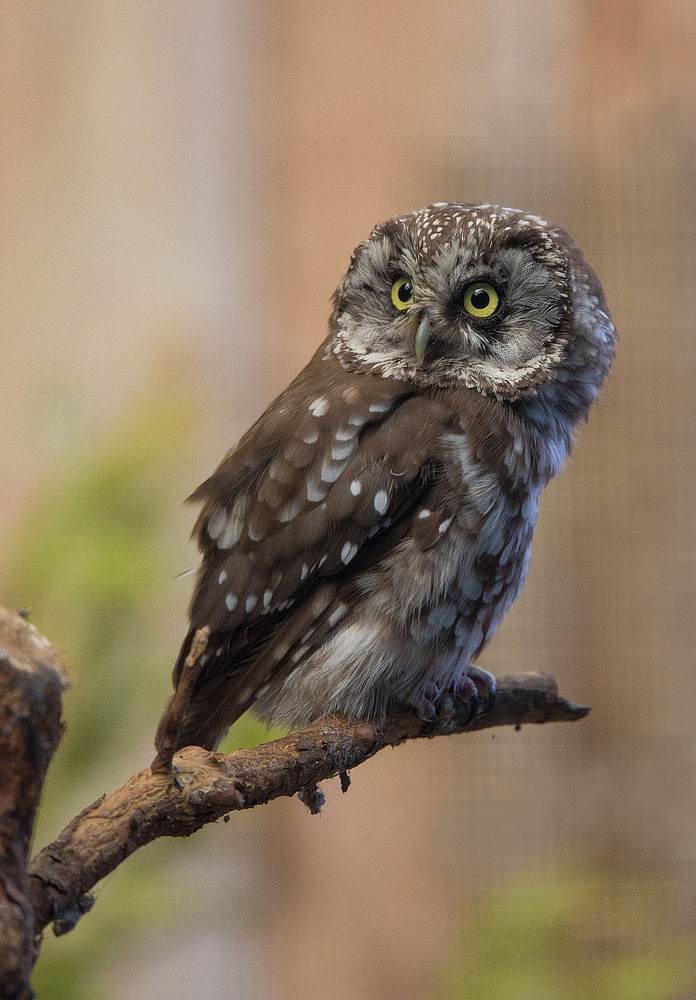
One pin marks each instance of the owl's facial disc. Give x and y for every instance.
(452, 295)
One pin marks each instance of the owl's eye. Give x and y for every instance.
(402, 293)
(481, 299)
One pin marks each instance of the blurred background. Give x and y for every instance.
(181, 186)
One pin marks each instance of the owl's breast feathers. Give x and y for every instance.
(359, 502)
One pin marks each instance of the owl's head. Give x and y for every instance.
(475, 295)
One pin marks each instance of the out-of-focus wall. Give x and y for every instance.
(199, 175)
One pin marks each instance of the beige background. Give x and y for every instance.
(192, 178)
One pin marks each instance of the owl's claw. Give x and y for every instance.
(485, 685)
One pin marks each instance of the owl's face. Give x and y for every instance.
(483, 296)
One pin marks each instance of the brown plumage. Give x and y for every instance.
(366, 536)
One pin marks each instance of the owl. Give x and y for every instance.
(363, 541)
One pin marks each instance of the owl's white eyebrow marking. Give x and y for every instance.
(311, 436)
(424, 513)
(319, 406)
(380, 407)
(381, 501)
(231, 601)
(267, 595)
(336, 615)
(289, 511)
(315, 493)
(223, 576)
(355, 487)
(251, 602)
(348, 551)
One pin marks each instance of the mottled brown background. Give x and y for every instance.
(186, 181)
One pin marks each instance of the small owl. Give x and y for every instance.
(365, 538)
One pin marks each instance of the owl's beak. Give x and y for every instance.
(422, 338)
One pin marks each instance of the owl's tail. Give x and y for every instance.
(207, 698)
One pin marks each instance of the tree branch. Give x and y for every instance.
(210, 785)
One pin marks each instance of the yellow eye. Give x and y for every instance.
(402, 293)
(481, 299)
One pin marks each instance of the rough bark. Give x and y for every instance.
(32, 679)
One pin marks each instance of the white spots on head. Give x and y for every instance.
(444, 525)
(342, 451)
(424, 513)
(274, 468)
(330, 471)
(251, 602)
(337, 614)
(304, 571)
(348, 551)
(231, 601)
(311, 436)
(381, 501)
(355, 487)
(216, 522)
(442, 616)
(380, 407)
(267, 595)
(289, 511)
(319, 406)
(357, 419)
(223, 576)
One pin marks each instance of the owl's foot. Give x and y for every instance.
(475, 688)
(485, 685)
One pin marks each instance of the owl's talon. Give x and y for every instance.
(485, 685)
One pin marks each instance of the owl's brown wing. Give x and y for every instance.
(316, 490)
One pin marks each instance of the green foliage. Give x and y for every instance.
(572, 934)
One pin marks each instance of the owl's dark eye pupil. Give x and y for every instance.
(480, 298)
(405, 291)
